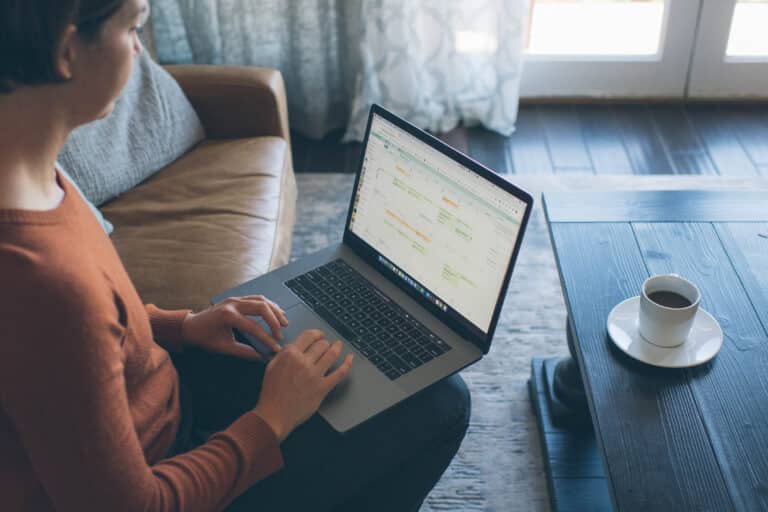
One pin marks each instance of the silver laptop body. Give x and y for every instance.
(430, 241)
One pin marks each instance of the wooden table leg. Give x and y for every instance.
(572, 464)
(566, 388)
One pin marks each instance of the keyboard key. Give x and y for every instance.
(377, 343)
(398, 363)
(420, 351)
(389, 337)
(411, 347)
(425, 358)
(338, 326)
(392, 374)
(442, 345)
(410, 360)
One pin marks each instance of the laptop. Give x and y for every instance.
(415, 288)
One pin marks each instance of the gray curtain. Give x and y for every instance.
(435, 62)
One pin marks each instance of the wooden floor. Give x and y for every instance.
(705, 139)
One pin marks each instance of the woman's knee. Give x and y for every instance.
(450, 403)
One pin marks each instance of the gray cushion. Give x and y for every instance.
(108, 227)
(152, 125)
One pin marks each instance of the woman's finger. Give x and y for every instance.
(307, 338)
(261, 297)
(262, 309)
(317, 350)
(335, 377)
(279, 313)
(330, 356)
(275, 306)
(252, 327)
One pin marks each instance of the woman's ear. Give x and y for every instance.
(66, 53)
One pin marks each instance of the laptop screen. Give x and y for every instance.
(445, 230)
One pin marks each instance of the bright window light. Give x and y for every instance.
(596, 27)
(470, 41)
(749, 30)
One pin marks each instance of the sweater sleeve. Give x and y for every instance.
(62, 384)
(166, 326)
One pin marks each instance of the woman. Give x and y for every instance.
(91, 414)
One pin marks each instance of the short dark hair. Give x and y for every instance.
(30, 31)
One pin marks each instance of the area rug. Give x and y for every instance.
(499, 466)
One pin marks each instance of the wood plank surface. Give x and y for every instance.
(604, 142)
(731, 139)
(353, 152)
(562, 129)
(751, 125)
(456, 138)
(725, 389)
(644, 147)
(721, 141)
(747, 246)
(655, 447)
(685, 149)
(489, 148)
(657, 206)
(583, 494)
(528, 151)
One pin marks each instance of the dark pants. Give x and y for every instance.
(390, 463)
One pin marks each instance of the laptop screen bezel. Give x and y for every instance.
(457, 322)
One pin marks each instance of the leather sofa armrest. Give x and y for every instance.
(236, 102)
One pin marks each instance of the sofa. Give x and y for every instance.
(224, 212)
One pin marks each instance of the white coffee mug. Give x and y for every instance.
(663, 325)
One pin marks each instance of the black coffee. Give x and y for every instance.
(669, 299)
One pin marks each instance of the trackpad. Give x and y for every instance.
(300, 318)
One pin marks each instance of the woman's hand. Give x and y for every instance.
(211, 329)
(295, 382)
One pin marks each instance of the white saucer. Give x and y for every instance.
(703, 343)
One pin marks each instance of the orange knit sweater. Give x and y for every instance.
(89, 403)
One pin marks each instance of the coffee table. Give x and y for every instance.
(636, 437)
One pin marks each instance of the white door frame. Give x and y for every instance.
(712, 74)
(662, 75)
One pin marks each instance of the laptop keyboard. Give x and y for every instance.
(381, 330)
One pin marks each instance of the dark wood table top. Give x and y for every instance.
(690, 439)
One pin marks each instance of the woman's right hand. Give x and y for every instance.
(295, 381)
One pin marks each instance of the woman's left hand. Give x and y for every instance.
(211, 328)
